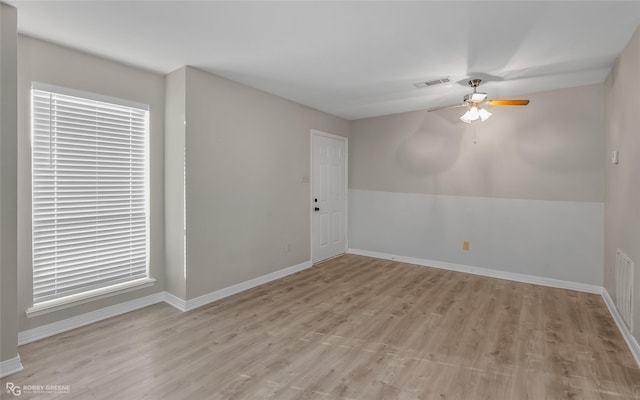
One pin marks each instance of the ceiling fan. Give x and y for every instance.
(473, 101)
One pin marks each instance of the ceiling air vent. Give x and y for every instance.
(434, 82)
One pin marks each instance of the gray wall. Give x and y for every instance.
(246, 155)
(45, 62)
(551, 149)
(174, 152)
(622, 204)
(526, 187)
(8, 206)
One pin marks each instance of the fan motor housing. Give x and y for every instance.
(475, 97)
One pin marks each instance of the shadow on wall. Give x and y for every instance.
(434, 146)
(548, 133)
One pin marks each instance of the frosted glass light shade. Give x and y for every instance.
(484, 114)
(473, 113)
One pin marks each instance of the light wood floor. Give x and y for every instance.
(351, 328)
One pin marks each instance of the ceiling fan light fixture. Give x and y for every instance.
(471, 115)
(472, 102)
(474, 113)
(484, 114)
(475, 97)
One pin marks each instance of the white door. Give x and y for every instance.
(328, 195)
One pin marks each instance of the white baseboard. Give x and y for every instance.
(14, 365)
(242, 286)
(511, 276)
(64, 325)
(188, 305)
(55, 328)
(11, 366)
(632, 343)
(175, 301)
(556, 283)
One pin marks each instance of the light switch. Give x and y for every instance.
(614, 157)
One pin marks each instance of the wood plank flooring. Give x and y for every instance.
(350, 328)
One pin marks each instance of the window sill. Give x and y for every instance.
(92, 295)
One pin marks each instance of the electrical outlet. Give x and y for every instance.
(465, 245)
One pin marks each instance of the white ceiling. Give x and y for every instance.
(352, 59)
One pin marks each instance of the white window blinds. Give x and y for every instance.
(90, 201)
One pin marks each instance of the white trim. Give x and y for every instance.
(329, 135)
(11, 366)
(622, 327)
(64, 325)
(14, 365)
(55, 328)
(556, 283)
(88, 95)
(175, 301)
(634, 348)
(85, 297)
(346, 186)
(242, 286)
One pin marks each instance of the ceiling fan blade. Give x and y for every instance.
(445, 107)
(507, 102)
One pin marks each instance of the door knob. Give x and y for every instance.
(316, 209)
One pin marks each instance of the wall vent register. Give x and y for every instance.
(624, 287)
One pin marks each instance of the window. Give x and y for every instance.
(90, 193)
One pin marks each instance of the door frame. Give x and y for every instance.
(315, 132)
